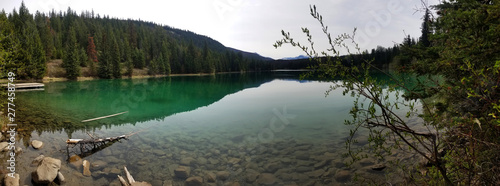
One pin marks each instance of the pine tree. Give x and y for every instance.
(39, 59)
(43, 26)
(115, 58)
(104, 70)
(84, 58)
(153, 67)
(30, 58)
(138, 59)
(71, 61)
(165, 59)
(424, 39)
(128, 59)
(8, 46)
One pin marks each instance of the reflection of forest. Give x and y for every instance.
(63, 105)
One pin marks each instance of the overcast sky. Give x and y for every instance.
(254, 25)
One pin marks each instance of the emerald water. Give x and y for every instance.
(252, 129)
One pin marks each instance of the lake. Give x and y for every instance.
(252, 129)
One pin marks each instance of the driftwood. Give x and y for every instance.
(93, 119)
(95, 144)
(130, 180)
(92, 141)
(90, 146)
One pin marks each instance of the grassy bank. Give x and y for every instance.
(55, 72)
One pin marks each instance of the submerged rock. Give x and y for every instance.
(60, 177)
(210, 177)
(343, 176)
(75, 161)
(223, 175)
(316, 173)
(266, 179)
(232, 184)
(187, 161)
(194, 181)
(321, 164)
(46, 171)
(86, 168)
(251, 176)
(36, 144)
(99, 164)
(378, 167)
(182, 172)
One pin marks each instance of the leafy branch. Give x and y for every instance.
(373, 108)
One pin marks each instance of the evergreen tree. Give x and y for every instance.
(84, 59)
(38, 56)
(153, 67)
(165, 59)
(138, 59)
(424, 39)
(43, 26)
(105, 59)
(128, 59)
(71, 61)
(115, 58)
(8, 46)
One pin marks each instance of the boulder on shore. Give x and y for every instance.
(4, 146)
(11, 181)
(46, 171)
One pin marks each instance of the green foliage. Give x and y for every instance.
(106, 58)
(467, 53)
(377, 102)
(72, 58)
(84, 59)
(139, 59)
(115, 58)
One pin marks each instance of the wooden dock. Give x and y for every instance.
(27, 86)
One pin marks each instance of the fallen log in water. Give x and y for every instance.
(112, 115)
(90, 146)
(91, 141)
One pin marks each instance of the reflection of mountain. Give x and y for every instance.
(63, 105)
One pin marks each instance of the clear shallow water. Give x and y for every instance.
(259, 127)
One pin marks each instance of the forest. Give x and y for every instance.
(109, 47)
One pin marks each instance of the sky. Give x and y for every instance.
(255, 25)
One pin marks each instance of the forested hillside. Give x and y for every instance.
(109, 47)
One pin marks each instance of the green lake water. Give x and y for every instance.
(259, 128)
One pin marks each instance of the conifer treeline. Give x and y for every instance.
(110, 47)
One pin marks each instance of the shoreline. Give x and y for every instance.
(47, 79)
(60, 79)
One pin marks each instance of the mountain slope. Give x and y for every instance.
(200, 40)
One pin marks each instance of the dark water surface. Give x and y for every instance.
(250, 129)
